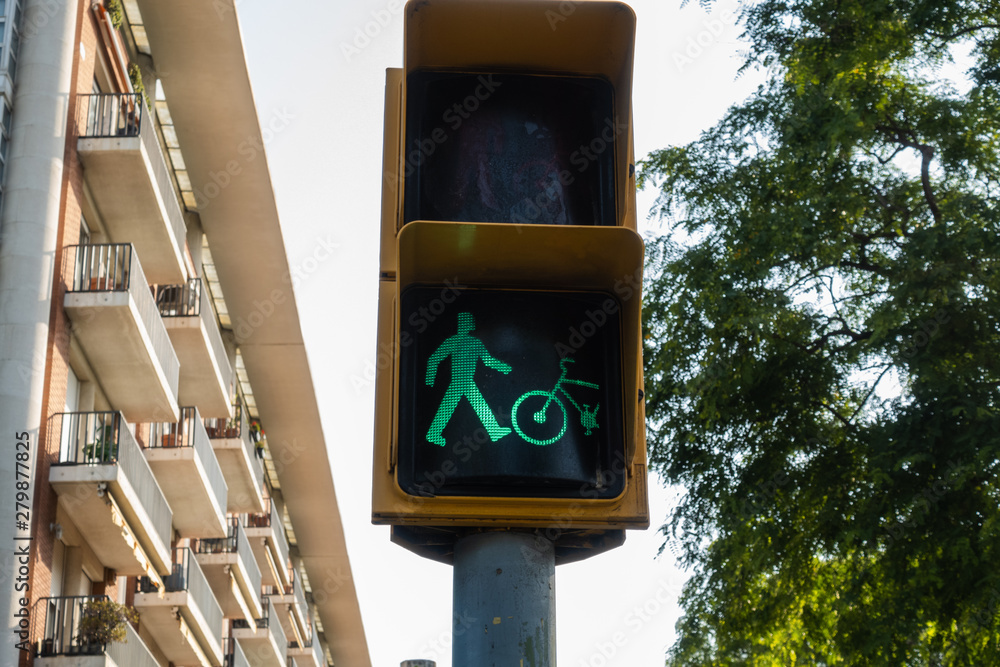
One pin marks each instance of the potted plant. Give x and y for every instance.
(104, 449)
(103, 621)
(114, 9)
(232, 428)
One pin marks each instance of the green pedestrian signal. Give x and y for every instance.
(465, 351)
(513, 393)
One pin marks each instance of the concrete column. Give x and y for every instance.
(504, 601)
(28, 237)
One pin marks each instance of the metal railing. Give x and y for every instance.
(102, 438)
(182, 300)
(317, 650)
(60, 634)
(191, 299)
(186, 575)
(234, 427)
(220, 428)
(245, 552)
(299, 593)
(190, 432)
(279, 637)
(235, 542)
(265, 621)
(133, 652)
(124, 115)
(233, 652)
(271, 518)
(100, 267)
(60, 621)
(88, 437)
(211, 323)
(110, 115)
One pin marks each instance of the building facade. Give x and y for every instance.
(164, 464)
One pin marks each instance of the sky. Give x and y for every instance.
(321, 72)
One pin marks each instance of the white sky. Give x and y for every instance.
(617, 609)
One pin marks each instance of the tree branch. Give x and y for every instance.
(870, 392)
(965, 31)
(907, 138)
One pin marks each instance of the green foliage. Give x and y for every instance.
(104, 448)
(823, 343)
(115, 13)
(135, 76)
(103, 621)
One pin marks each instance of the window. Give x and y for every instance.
(84, 231)
(15, 40)
(4, 142)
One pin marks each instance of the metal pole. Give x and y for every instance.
(504, 601)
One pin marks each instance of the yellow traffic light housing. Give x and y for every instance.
(511, 276)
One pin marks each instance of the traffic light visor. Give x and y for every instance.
(514, 148)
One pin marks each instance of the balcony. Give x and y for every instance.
(270, 546)
(109, 492)
(309, 654)
(130, 181)
(61, 644)
(184, 463)
(262, 641)
(119, 328)
(243, 470)
(232, 572)
(184, 619)
(235, 657)
(206, 376)
(290, 605)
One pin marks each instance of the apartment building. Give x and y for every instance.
(162, 446)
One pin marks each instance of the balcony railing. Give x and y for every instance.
(115, 267)
(235, 427)
(110, 115)
(233, 652)
(182, 300)
(312, 645)
(271, 519)
(187, 576)
(219, 428)
(89, 437)
(265, 621)
(189, 432)
(298, 594)
(133, 652)
(113, 115)
(191, 299)
(235, 542)
(60, 633)
(102, 438)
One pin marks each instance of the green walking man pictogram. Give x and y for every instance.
(465, 352)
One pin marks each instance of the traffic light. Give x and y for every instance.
(509, 392)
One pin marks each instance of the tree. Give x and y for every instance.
(822, 350)
(103, 621)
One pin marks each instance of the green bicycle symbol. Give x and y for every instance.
(545, 414)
